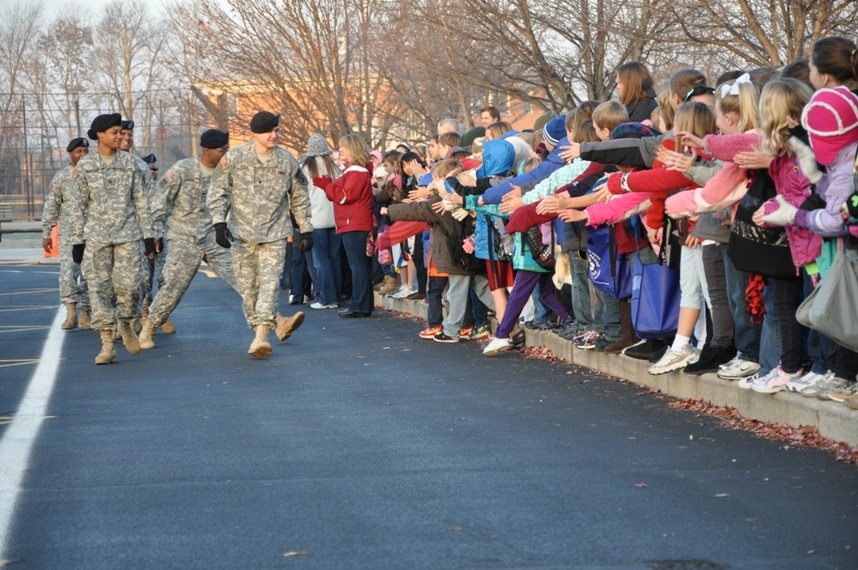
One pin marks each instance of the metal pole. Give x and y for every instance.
(27, 184)
(77, 115)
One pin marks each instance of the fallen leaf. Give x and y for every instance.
(720, 495)
(641, 485)
(296, 553)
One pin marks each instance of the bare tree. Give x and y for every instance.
(19, 32)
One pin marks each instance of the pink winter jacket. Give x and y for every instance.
(618, 209)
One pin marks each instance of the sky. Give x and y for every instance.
(52, 7)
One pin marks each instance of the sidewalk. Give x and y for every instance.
(24, 248)
(833, 420)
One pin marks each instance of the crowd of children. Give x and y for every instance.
(705, 229)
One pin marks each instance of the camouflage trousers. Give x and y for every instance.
(184, 258)
(73, 287)
(113, 273)
(258, 267)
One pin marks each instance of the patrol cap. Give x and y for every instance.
(127, 125)
(80, 141)
(264, 122)
(103, 122)
(214, 138)
(149, 159)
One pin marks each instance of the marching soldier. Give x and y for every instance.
(260, 185)
(111, 219)
(59, 206)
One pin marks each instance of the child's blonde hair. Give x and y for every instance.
(744, 104)
(610, 114)
(696, 118)
(358, 147)
(781, 98)
(586, 132)
(445, 167)
(666, 109)
(529, 164)
(495, 130)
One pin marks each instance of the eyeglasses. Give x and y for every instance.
(698, 91)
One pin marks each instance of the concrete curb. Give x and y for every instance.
(833, 420)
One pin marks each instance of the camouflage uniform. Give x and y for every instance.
(112, 217)
(259, 196)
(180, 199)
(59, 206)
(149, 267)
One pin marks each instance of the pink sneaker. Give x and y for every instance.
(776, 381)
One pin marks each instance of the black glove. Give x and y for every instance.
(77, 252)
(223, 236)
(150, 245)
(305, 243)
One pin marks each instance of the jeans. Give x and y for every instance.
(326, 260)
(360, 265)
(746, 334)
(581, 307)
(784, 295)
(716, 282)
(611, 327)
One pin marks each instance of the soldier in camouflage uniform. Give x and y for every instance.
(59, 206)
(180, 204)
(111, 227)
(260, 185)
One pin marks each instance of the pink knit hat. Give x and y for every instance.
(831, 119)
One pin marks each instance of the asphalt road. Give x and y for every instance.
(359, 445)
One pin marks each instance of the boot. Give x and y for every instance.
(147, 336)
(129, 337)
(84, 321)
(71, 317)
(167, 327)
(628, 337)
(390, 284)
(260, 348)
(108, 352)
(285, 326)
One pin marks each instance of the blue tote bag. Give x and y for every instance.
(609, 271)
(655, 300)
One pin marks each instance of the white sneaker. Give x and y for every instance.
(397, 291)
(746, 381)
(812, 390)
(776, 381)
(674, 360)
(406, 291)
(318, 305)
(737, 369)
(497, 345)
(800, 384)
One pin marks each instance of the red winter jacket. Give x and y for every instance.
(351, 194)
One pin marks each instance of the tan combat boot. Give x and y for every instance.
(260, 348)
(147, 336)
(285, 326)
(71, 317)
(390, 284)
(108, 351)
(129, 338)
(84, 321)
(168, 327)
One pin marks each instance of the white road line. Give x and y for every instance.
(21, 434)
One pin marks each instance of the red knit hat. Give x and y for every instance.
(831, 119)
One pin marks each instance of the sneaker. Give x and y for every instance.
(848, 391)
(397, 291)
(834, 385)
(416, 296)
(602, 343)
(746, 382)
(406, 291)
(674, 360)
(465, 332)
(711, 358)
(481, 333)
(519, 340)
(656, 356)
(588, 341)
(809, 379)
(497, 345)
(617, 346)
(738, 368)
(813, 389)
(442, 337)
(643, 349)
(318, 305)
(775, 381)
(430, 332)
